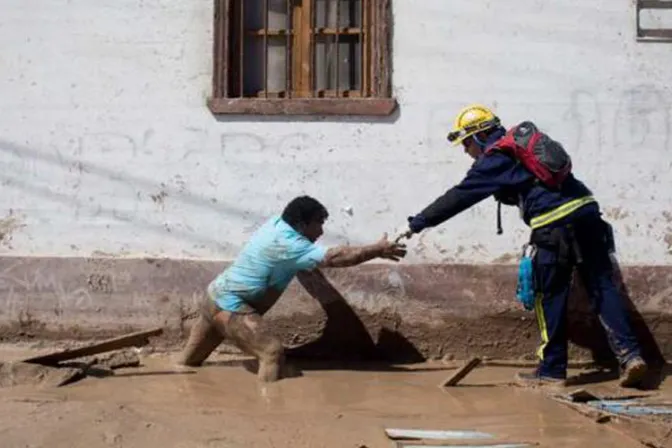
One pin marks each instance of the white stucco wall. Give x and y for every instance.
(102, 106)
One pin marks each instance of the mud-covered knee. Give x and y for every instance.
(273, 351)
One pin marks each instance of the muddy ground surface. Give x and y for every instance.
(222, 405)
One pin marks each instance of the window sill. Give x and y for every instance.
(379, 107)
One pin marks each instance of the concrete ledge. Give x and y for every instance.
(392, 311)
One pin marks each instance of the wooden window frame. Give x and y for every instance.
(376, 98)
(652, 34)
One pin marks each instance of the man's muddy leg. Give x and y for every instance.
(271, 362)
(203, 340)
(250, 334)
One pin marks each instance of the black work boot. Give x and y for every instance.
(633, 373)
(532, 379)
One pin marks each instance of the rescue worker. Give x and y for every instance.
(567, 231)
(238, 297)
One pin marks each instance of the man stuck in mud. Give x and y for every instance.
(524, 167)
(237, 298)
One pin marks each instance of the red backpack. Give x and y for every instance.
(545, 158)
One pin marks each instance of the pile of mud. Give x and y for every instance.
(21, 373)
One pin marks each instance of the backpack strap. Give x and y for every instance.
(499, 218)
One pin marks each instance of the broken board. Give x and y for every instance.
(425, 438)
(138, 339)
(461, 372)
(429, 434)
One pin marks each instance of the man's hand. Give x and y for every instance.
(391, 250)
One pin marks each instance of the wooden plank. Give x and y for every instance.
(381, 46)
(270, 32)
(221, 64)
(494, 445)
(654, 4)
(430, 434)
(317, 93)
(461, 372)
(130, 340)
(318, 31)
(296, 47)
(579, 364)
(379, 107)
(301, 49)
(365, 42)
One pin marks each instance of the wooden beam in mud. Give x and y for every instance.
(461, 372)
(138, 339)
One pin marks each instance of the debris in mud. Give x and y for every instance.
(130, 340)
(27, 374)
(643, 418)
(116, 360)
(57, 369)
(461, 373)
(431, 437)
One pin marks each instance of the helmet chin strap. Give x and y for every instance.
(480, 143)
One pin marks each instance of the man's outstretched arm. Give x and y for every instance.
(344, 256)
(489, 175)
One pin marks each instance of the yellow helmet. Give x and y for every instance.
(471, 120)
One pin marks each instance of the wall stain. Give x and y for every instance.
(100, 283)
(506, 258)
(160, 196)
(616, 213)
(668, 241)
(8, 226)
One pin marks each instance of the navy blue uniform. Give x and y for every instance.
(579, 239)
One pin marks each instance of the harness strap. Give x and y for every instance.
(499, 218)
(560, 212)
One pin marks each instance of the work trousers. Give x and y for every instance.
(585, 245)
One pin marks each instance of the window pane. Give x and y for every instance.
(254, 65)
(348, 63)
(254, 14)
(253, 58)
(277, 65)
(349, 13)
(277, 14)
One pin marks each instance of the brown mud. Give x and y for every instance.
(221, 404)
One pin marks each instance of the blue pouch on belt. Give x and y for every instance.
(525, 292)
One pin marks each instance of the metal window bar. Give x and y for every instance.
(363, 43)
(337, 65)
(653, 34)
(265, 72)
(288, 51)
(241, 49)
(313, 48)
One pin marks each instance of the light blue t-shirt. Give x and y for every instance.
(271, 258)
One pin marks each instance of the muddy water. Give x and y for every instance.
(222, 405)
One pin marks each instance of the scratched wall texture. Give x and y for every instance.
(107, 148)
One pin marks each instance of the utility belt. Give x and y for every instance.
(560, 240)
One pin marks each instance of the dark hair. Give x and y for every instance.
(303, 210)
